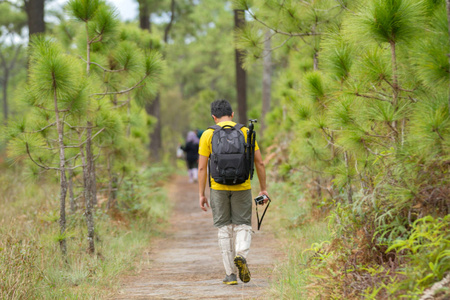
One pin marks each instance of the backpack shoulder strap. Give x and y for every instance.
(215, 127)
(238, 126)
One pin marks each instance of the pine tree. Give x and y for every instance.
(93, 117)
(366, 114)
(55, 92)
(129, 63)
(11, 50)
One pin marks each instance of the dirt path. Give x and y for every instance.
(186, 262)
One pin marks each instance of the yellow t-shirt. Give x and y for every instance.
(204, 149)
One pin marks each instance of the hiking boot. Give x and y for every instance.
(230, 279)
(241, 264)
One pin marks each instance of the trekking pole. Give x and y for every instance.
(251, 144)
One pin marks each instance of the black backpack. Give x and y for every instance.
(228, 163)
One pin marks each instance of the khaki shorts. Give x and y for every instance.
(231, 207)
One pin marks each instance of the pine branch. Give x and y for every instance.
(439, 134)
(392, 127)
(123, 104)
(371, 97)
(75, 127)
(42, 129)
(279, 31)
(278, 47)
(100, 66)
(74, 167)
(123, 91)
(330, 139)
(324, 188)
(342, 4)
(73, 157)
(79, 145)
(38, 164)
(371, 151)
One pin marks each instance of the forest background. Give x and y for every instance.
(353, 102)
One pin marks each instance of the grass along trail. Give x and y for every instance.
(185, 263)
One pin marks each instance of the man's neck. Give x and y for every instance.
(224, 119)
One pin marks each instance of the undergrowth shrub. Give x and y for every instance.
(427, 253)
(18, 270)
(31, 266)
(139, 199)
(372, 135)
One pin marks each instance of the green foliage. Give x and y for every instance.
(338, 56)
(314, 85)
(18, 270)
(428, 249)
(370, 126)
(104, 24)
(430, 127)
(141, 201)
(388, 21)
(431, 58)
(53, 74)
(30, 262)
(83, 10)
(12, 20)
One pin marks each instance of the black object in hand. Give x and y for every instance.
(260, 199)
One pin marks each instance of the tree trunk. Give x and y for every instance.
(349, 180)
(35, 14)
(62, 172)
(92, 188)
(88, 51)
(267, 81)
(448, 18)
(154, 109)
(316, 59)
(73, 204)
(91, 165)
(318, 188)
(89, 178)
(5, 97)
(88, 202)
(144, 15)
(172, 18)
(395, 86)
(394, 80)
(112, 184)
(241, 80)
(394, 74)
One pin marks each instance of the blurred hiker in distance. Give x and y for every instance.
(191, 149)
(226, 147)
(199, 132)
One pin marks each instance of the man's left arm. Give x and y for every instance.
(261, 171)
(202, 178)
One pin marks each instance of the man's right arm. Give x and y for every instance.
(202, 177)
(261, 171)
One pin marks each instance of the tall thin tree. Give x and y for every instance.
(241, 76)
(448, 19)
(154, 108)
(9, 67)
(267, 79)
(35, 13)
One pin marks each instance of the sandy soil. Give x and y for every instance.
(186, 263)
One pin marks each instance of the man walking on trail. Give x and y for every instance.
(231, 195)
